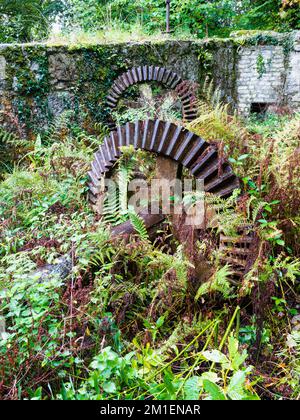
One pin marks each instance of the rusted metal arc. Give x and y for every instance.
(162, 75)
(170, 140)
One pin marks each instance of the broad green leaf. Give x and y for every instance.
(236, 358)
(214, 391)
(211, 376)
(235, 388)
(216, 356)
(192, 388)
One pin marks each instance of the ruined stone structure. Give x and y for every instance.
(38, 81)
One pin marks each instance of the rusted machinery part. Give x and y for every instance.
(239, 251)
(144, 74)
(170, 140)
(126, 228)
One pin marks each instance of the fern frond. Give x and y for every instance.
(139, 225)
(219, 282)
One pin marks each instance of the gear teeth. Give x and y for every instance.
(134, 75)
(170, 140)
(125, 80)
(174, 140)
(176, 82)
(166, 77)
(149, 134)
(203, 160)
(94, 191)
(96, 170)
(140, 74)
(171, 80)
(152, 73)
(114, 95)
(226, 191)
(121, 141)
(155, 138)
(169, 128)
(101, 158)
(145, 73)
(108, 148)
(136, 140)
(183, 147)
(215, 183)
(94, 179)
(191, 156)
(113, 146)
(127, 134)
(119, 85)
(207, 172)
(93, 198)
(238, 251)
(161, 73)
(99, 163)
(130, 78)
(155, 73)
(146, 127)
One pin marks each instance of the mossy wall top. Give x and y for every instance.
(38, 81)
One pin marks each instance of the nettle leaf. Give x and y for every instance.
(214, 391)
(236, 358)
(236, 386)
(217, 357)
(192, 388)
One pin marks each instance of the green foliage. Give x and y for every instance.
(234, 387)
(109, 374)
(24, 20)
(200, 18)
(139, 225)
(218, 283)
(32, 19)
(133, 318)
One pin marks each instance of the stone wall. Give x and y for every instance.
(38, 81)
(269, 74)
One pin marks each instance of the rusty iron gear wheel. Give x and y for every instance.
(169, 140)
(144, 74)
(199, 157)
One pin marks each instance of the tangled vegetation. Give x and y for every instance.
(27, 20)
(133, 318)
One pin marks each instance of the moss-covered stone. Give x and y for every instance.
(39, 81)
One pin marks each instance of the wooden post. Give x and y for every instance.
(168, 30)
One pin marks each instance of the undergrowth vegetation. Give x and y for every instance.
(101, 20)
(140, 317)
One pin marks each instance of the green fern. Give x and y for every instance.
(219, 282)
(139, 225)
(115, 207)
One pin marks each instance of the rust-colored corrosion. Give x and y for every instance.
(238, 251)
